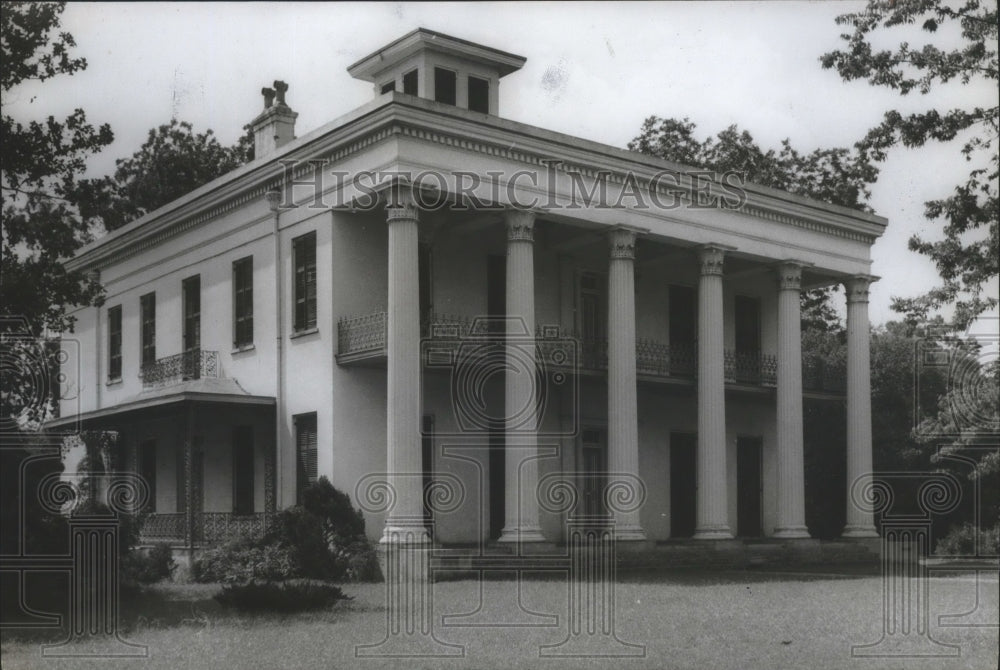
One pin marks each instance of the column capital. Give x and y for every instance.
(712, 258)
(622, 239)
(520, 224)
(857, 286)
(404, 210)
(789, 275)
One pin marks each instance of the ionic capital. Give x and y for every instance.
(520, 224)
(622, 241)
(789, 276)
(404, 209)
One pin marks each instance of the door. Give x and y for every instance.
(683, 478)
(593, 453)
(683, 329)
(747, 332)
(191, 293)
(748, 487)
(497, 492)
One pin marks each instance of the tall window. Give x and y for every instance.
(683, 316)
(191, 289)
(444, 85)
(306, 449)
(147, 327)
(591, 321)
(146, 468)
(304, 257)
(115, 343)
(243, 302)
(243, 462)
(747, 324)
(410, 82)
(479, 95)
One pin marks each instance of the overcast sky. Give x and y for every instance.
(593, 70)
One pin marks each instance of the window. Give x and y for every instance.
(425, 292)
(479, 95)
(747, 324)
(191, 290)
(243, 462)
(243, 302)
(304, 259)
(146, 468)
(683, 316)
(306, 452)
(410, 82)
(147, 328)
(591, 302)
(388, 87)
(444, 86)
(115, 343)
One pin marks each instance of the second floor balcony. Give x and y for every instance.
(362, 341)
(187, 366)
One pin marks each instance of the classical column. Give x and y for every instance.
(521, 392)
(860, 521)
(404, 461)
(712, 506)
(623, 428)
(791, 522)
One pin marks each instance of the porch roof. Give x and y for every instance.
(217, 391)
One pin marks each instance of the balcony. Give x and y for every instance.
(362, 341)
(209, 527)
(193, 364)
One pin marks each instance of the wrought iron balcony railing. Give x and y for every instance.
(194, 364)
(209, 527)
(365, 337)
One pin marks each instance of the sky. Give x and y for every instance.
(594, 70)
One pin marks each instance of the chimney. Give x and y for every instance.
(275, 126)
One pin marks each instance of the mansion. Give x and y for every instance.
(424, 294)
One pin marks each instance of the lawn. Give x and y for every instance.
(691, 620)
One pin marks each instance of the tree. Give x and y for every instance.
(172, 162)
(44, 216)
(967, 257)
(840, 176)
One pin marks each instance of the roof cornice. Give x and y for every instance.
(395, 114)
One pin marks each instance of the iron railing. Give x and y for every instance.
(365, 336)
(193, 364)
(209, 527)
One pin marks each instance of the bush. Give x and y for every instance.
(961, 541)
(242, 562)
(150, 566)
(288, 597)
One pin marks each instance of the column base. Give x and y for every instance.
(713, 533)
(791, 533)
(851, 531)
(531, 534)
(630, 534)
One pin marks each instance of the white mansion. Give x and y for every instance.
(334, 307)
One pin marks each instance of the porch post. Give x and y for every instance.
(712, 505)
(791, 522)
(623, 428)
(404, 523)
(189, 492)
(860, 520)
(521, 453)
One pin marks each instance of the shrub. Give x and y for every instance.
(961, 541)
(150, 566)
(334, 508)
(304, 536)
(287, 597)
(242, 562)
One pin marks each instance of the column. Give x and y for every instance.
(404, 459)
(521, 454)
(791, 521)
(860, 520)
(623, 427)
(712, 505)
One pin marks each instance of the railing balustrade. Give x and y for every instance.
(193, 364)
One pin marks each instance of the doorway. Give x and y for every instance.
(683, 483)
(748, 487)
(593, 457)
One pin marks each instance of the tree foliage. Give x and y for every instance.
(44, 216)
(839, 175)
(968, 254)
(173, 161)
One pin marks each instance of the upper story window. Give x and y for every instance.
(388, 87)
(445, 84)
(410, 82)
(747, 324)
(243, 302)
(306, 447)
(592, 294)
(191, 291)
(147, 328)
(683, 315)
(479, 95)
(115, 343)
(304, 260)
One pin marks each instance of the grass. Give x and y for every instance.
(687, 620)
